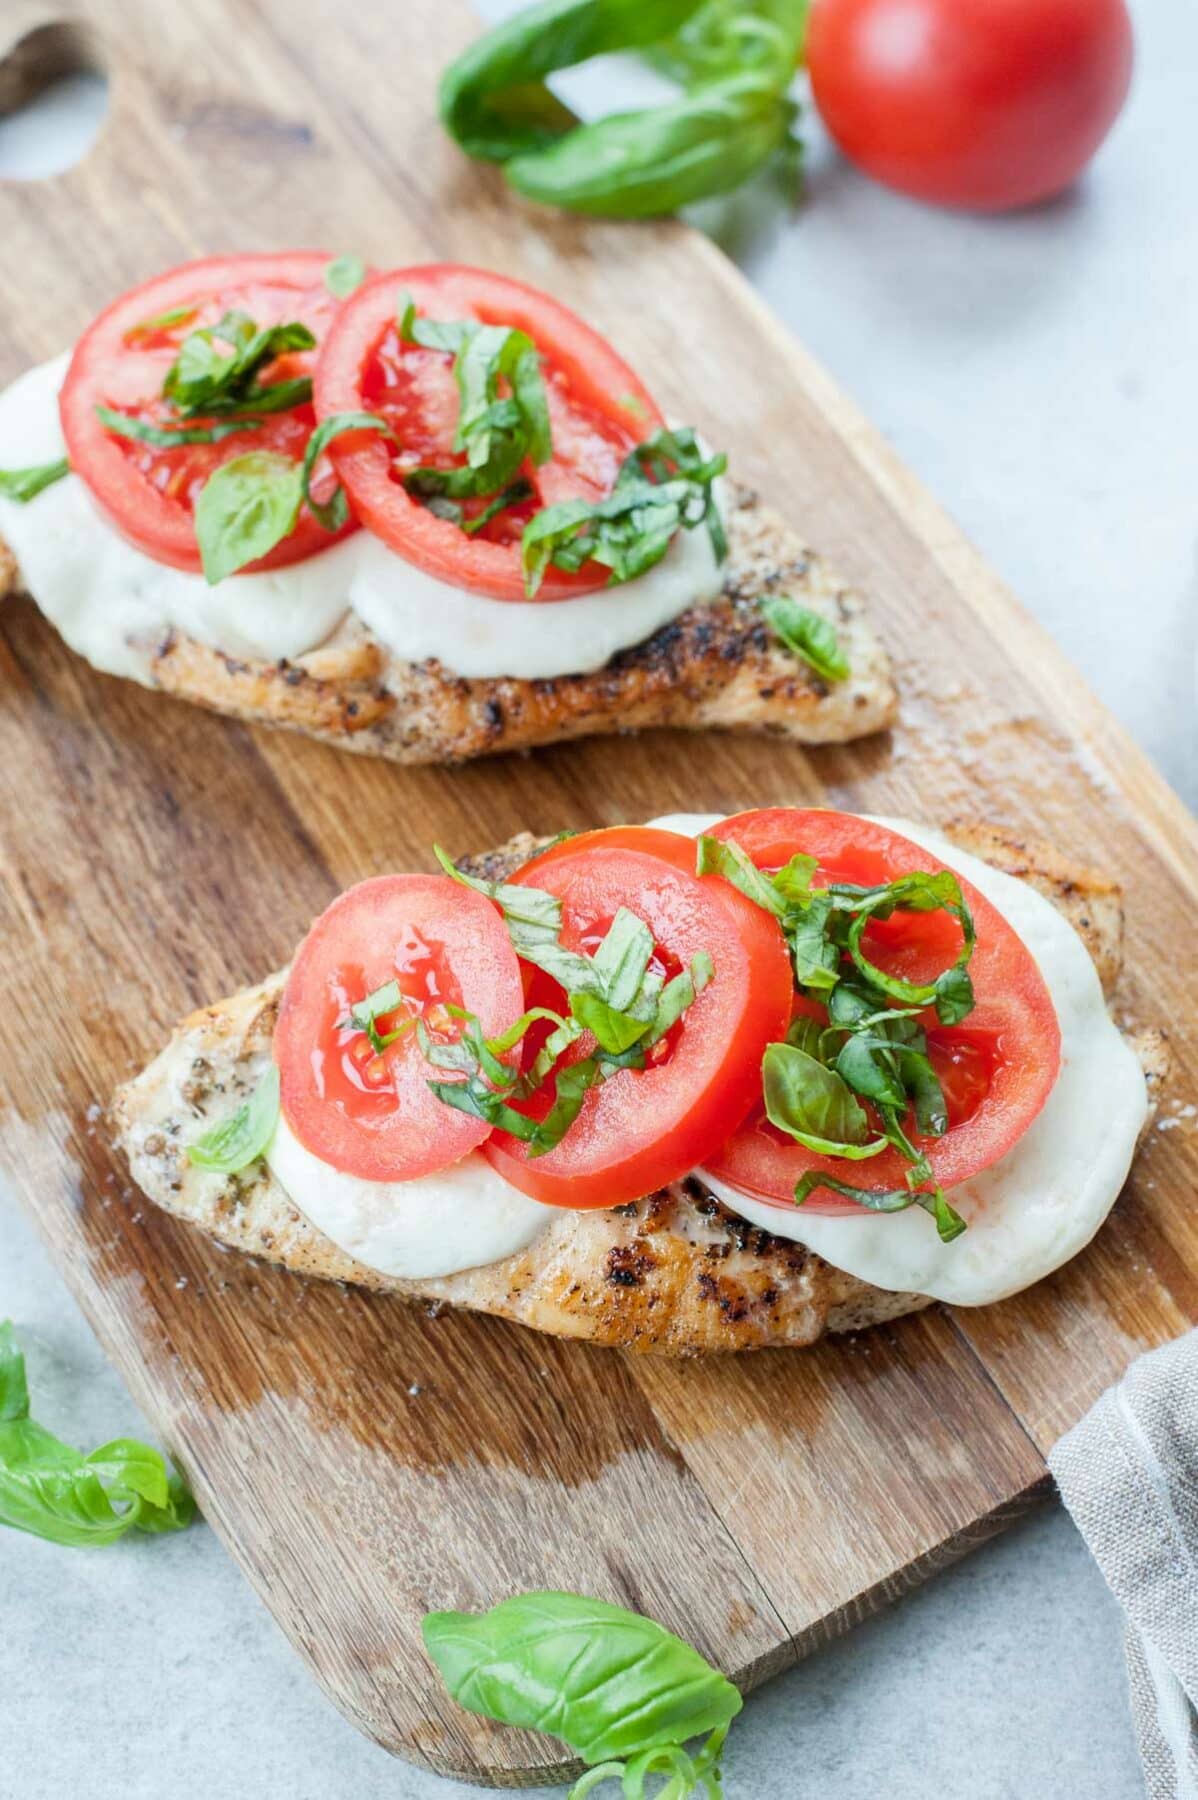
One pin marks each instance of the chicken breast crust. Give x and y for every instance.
(676, 1273)
(716, 666)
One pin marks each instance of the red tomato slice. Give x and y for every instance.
(375, 1115)
(645, 1127)
(150, 493)
(996, 1068)
(598, 408)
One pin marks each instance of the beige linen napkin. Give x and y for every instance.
(1129, 1475)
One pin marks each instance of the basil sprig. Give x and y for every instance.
(806, 635)
(625, 1694)
(24, 485)
(245, 1136)
(498, 432)
(664, 485)
(55, 1492)
(626, 1006)
(873, 1047)
(734, 115)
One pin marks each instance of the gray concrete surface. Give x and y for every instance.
(1041, 374)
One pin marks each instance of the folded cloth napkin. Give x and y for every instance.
(1129, 1475)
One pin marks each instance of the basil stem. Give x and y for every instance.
(54, 1492)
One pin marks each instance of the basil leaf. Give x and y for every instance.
(809, 636)
(954, 998)
(612, 1029)
(51, 1491)
(949, 1223)
(163, 321)
(609, 1683)
(638, 165)
(333, 513)
(534, 921)
(886, 1200)
(920, 891)
(24, 485)
(344, 275)
(246, 507)
(923, 1092)
(815, 1106)
(622, 958)
(807, 1035)
(241, 1139)
(867, 1064)
(364, 1014)
(204, 378)
(166, 437)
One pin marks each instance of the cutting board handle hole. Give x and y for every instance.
(53, 100)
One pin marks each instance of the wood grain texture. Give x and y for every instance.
(361, 1460)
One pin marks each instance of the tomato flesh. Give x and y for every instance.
(983, 104)
(997, 1066)
(149, 492)
(643, 1128)
(598, 408)
(372, 1113)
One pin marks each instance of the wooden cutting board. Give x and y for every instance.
(363, 1460)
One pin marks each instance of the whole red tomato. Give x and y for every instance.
(983, 104)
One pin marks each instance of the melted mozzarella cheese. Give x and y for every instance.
(1045, 1199)
(114, 604)
(458, 1218)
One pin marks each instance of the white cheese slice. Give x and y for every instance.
(459, 1218)
(114, 604)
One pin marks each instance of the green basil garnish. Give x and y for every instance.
(163, 321)
(949, 1223)
(217, 368)
(664, 485)
(244, 1137)
(815, 1105)
(54, 1492)
(497, 432)
(344, 275)
(620, 1690)
(167, 437)
(246, 507)
(808, 635)
(24, 485)
(734, 116)
(333, 513)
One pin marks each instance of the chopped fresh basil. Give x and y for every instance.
(246, 507)
(664, 485)
(364, 1014)
(715, 856)
(453, 510)
(217, 368)
(168, 437)
(54, 1492)
(26, 484)
(333, 513)
(241, 1139)
(344, 275)
(498, 432)
(619, 1689)
(809, 636)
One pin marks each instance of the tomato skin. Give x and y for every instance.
(642, 1129)
(594, 377)
(116, 364)
(445, 943)
(985, 105)
(998, 1066)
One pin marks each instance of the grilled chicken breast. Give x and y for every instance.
(675, 1273)
(716, 666)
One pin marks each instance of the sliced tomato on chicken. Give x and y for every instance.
(996, 1068)
(369, 1110)
(147, 490)
(643, 1128)
(599, 410)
